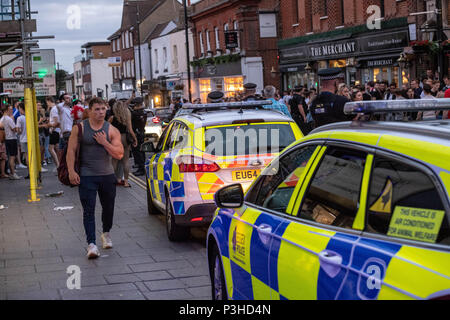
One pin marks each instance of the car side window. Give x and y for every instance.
(182, 137)
(274, 189)
(333, 195)
(162, 138)
(403, 202)
(171, 137)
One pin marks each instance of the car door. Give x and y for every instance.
(252, 232)
(156, 166)
(315, 248)
(404, 252)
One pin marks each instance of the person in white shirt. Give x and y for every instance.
(427, 115)
(10, 140)
(55, 130)
(66, 124)
(22, 130)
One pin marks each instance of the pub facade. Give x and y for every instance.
(364, 55)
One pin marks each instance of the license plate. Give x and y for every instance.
(245, 175)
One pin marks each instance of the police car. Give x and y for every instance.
(213, 146)
(355, 210)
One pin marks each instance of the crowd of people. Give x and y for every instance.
(55, 122)
(56, 118)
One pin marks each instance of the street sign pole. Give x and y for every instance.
(30, 110)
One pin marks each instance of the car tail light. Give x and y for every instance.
(196, 219)
(156, 120)
(196, 164)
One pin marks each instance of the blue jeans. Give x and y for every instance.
(105, 186)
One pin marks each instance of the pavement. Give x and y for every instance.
(39, 243)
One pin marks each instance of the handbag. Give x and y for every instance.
(63, 170)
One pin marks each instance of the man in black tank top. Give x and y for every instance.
(100, 142)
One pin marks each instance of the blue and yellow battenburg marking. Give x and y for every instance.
(292, 262)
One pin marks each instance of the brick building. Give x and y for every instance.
(252, 24)
(317, 34)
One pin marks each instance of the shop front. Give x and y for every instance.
(362, 57)
(226, 78)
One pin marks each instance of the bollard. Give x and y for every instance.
(31, 138)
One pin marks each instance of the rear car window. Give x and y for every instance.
(247, 139)
(404, 203)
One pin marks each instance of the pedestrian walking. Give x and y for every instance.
(3, 156)
(55, 130)
(121, 120)
(99, 144)
(10, 140)
(66, 123)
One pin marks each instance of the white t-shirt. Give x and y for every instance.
(9, 125)
(54, 114)
(66, 118)
(428, 115)
(22, 124)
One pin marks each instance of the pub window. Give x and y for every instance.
(205, 88)
(208, 42)
(236, 28)
(216, 34)
(200, 37)
(233, 86)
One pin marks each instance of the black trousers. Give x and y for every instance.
(138, 155)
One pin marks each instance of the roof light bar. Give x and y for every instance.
(231, 105)
(386, 106)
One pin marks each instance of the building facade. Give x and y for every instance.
(169, 65)
(235, 42)
(96, 75)
(368, 39)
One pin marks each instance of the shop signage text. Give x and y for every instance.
(328, 50)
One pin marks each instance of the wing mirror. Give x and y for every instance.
(148, 147)
(229, 197)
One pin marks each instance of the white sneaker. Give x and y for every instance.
(55, 170)
(107, 242)
(21, 166)
(44, 170)
(14, 177)
(93, 252)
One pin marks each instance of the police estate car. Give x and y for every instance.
(213, 146)
(355, 210)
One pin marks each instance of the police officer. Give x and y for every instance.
(299, 109)
(249, 92)
(215, 97)
(329, 107)
(138, 121)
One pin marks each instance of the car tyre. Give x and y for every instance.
(174, 232)
(152, 210)
(218, 286)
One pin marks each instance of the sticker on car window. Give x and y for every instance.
(384, 202)
(416, 224)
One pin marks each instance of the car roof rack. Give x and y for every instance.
(226, 105)
(387, 106)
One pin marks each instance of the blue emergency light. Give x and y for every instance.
(387, 106)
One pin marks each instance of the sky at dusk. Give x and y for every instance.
(99, 19)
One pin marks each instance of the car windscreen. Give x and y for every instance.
(247, 139)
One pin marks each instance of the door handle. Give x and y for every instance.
(265, 228)
(264, 233)
(330, 262)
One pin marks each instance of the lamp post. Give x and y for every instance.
(186, 30)
(138, 22)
